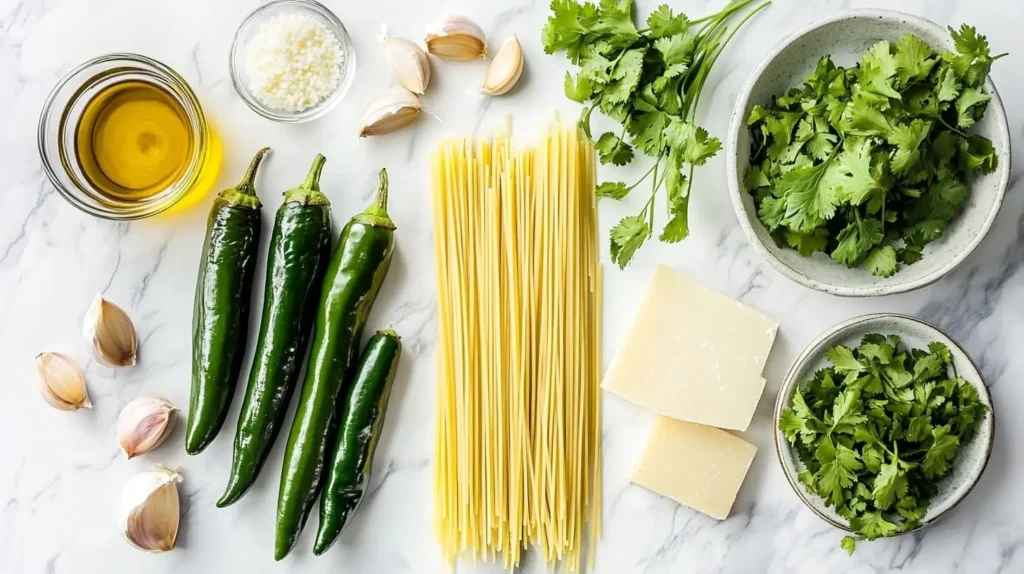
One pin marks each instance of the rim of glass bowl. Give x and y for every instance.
(321, 109)
(54, 121)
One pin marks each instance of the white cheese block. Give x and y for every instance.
(696, 465)
(693, 354)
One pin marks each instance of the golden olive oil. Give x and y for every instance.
(133, 141)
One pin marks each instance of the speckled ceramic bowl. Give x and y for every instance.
(846, 36)
(970, 461)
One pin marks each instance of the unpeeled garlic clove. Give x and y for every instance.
(150, 509)
(408, 63)
(145, 423)
(111, 333)
(505, 68)
(389, 111)
(456, 38)
(62, 382)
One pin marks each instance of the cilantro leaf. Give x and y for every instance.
(568, 27)
(949, 87)
(863, 119)
(908, 139)
(873, 525)
(881, 261)
(839, 465)
(578, 89)
(806, 243)
(676, 49)
(877, 67)
(625, 77)
(914, 59)
(627, 237)
(849, 544)
(678, 226)
(662, 23)
(843, 360)
(890, 484)
(611, 149)
(613, 189)
(856, 239)
(856, 183)
(810, 197)
(966, 104)
(694, 143)
(940, 453)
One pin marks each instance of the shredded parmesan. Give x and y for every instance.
(293, 62)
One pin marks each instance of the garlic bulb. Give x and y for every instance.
(408, 63)
(389, 111)
(505, 69)
(150, 510)
(456, 38)
(144, 423)
(62, 382)
(111, 333)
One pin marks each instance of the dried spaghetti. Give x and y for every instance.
(517, 459)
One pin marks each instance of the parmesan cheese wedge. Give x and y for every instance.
(693, 354)
(695, 465)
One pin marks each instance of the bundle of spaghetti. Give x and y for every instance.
(517, 461)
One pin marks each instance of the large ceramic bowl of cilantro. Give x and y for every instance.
(869, 153)
(883, 425)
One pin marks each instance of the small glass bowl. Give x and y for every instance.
(250, 26)
(58, 125)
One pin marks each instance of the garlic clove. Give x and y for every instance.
(62, 382)
(408, 63)
(150, 509)
(456, 38)
(505, 69)
(111, 333)
(144, 423)
(389, 111)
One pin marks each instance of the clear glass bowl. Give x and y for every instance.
(63, 110)
(250, 26)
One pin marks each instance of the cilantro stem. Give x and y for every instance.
(641, 180)
(950, 128)
(706, 70)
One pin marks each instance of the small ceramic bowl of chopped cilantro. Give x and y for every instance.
(869, 153)
(884, 424)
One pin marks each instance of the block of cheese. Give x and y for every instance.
(693, 354)
(696, 465)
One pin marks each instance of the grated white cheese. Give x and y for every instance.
(293, 62)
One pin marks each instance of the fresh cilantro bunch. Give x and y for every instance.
(649, 80)
(871, 163)
(878, 429)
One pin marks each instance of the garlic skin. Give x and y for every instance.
(144, 423)
(456, 38)
(61, 382)
(505, 68)
(408, 63)
(111, 334)
(150, 509)
(389, 111)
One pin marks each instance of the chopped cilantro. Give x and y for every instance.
(878, 428)
(869, 164)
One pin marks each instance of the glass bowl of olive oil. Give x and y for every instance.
(123, 136)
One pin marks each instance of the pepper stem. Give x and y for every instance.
(248, 183)
(308, 193)
(377, 213)
(312, 180)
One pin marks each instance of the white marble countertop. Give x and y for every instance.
(61, 474)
